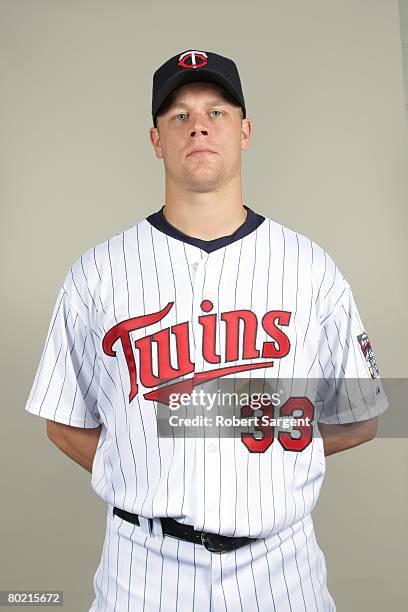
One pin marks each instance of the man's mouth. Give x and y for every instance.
(198, 152)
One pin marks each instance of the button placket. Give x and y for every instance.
(212, 476)
(211, 454)
(207, 455)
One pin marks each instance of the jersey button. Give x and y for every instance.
(212, 448)
(211, 507)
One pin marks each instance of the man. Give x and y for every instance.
(202, 293)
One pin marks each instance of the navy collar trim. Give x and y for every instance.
(252, 222)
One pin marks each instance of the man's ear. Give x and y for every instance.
(155, 140)
(246, 131)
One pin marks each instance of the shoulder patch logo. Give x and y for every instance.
(365, 345)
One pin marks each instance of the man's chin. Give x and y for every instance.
(203, 186)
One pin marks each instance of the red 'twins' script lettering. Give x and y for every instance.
(277, 348)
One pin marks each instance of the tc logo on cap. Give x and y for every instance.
(193, 59)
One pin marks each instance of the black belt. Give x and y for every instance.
(212, 541)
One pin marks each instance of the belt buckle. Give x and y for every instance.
(208, 542)
(221, 544)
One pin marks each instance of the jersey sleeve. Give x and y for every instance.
(65, 387)
(349, 388)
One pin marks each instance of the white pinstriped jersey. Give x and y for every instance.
(144, 310)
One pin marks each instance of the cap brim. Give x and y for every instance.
(189, 76)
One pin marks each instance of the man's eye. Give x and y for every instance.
(181, 116)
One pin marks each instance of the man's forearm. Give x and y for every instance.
(337, 438)
(76, 442)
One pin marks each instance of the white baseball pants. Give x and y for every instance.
(140, 571)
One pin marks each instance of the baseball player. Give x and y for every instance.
(201, 293)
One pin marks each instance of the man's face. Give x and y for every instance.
(200, 118)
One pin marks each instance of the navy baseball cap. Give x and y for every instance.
(191, 66)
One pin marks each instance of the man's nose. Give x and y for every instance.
(199, 131)
(199, 126)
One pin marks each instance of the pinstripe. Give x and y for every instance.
(296, 310)
(310, 569)
(235, 441)
(284, 265)
(107, 581)
(204, 458)
(49, 382)
(78, 291)
(222, 580)
(112, 282)
(130, 568)
(161, 573)
(267, 302)
(178, 574)
(145, 579)
(128, 312)
(218, 350)
(146, 454)
(283, 572)
(137, 398)
(211, 588)
(141, 269)
(184, 445)
(311, 297)
(253, 577)
(303, 527)
(87, 284)
(195, 574)
(297, 568)
(92, 378)
(161, 327)
(270, 573)
(115, 427)
(320, 574)
(126, 274)
(237, 581)
(260, 507)
(332, 285)
(279, 367)
(130, 440)
(111, 482)
(291, 390)
(187, 267)
(335, 306)
(104, 479)
(65, 372)
(322, 279)
(99, 276)
(117, 571)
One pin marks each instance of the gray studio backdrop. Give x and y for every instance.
(328, 158)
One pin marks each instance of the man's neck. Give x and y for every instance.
(205, 215)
